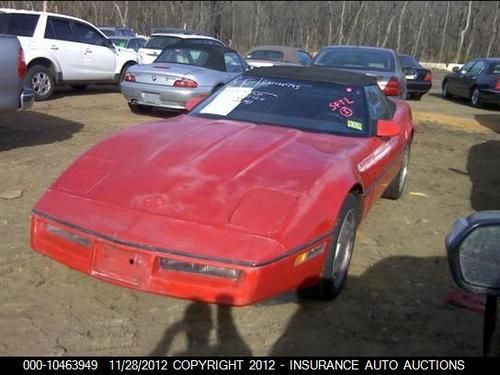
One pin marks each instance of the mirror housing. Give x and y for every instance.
(388, 128)
(193, 102)
(473, 246)
(456, 69)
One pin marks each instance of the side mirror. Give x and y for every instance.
(473, 246)
(388, 128)
(456, 69)
(193, 102)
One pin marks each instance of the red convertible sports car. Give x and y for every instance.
(256, 191)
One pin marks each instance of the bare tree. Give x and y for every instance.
(388, 29)
(341, 29)
(493, 31)
(417, 40)
(462, 33)
(401, 24)
(123, 16)
(443, 35)
(354, 26)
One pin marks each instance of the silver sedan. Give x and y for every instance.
(179, 74)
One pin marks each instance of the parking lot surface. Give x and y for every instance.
(395, 301)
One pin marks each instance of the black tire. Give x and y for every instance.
(334, 274)
(474, 97)
(140, 108)
(396, 187)
(78, 87)
(124, 71)
(416, 97)
(41, 80)
(444, 92)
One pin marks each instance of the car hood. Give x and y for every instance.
(220, 174)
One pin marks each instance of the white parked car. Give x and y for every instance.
(63, 50)
(160, 40)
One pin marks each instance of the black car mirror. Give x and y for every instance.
(456, 69)
(473, 246)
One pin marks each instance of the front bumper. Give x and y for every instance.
(26, 99)
(162, 97)
(112, 260)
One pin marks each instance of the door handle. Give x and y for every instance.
(54, 47)
(88, 50)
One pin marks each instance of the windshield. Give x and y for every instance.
(355, 58)
(409, 61)
(265, 55)
(160, 42)
(305, 105)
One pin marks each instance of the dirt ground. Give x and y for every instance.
(394, 302)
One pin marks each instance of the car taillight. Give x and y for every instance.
(185, 83)
(392, 88)
(21, 64)
(497, 86)
(129, 77)
(428, 77)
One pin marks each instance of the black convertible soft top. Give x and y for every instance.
(215, 58)
(317, 74)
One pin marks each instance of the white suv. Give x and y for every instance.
(160, 40)
(63, 50)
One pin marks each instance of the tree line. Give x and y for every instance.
(438, 31)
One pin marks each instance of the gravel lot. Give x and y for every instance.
(394, 302)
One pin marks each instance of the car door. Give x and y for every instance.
(98, 58)
(469, 79)
(60, 40)
(378, 168)
(455, 84)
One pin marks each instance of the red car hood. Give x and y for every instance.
(223, 175)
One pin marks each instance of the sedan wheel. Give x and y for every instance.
(474, 98)
(445, 92)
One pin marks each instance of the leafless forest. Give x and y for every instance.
(439, 31)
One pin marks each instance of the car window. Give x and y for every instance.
(207, 42)
(131, 43)
(120, 42)
(86, 34)
(18, 24)
(233, 63)
(467, 66)
(355, 58)
(108, 32)
(378, 105)
(126, 32)
(161, 42)
(494, 68)
(266, 54)
(477, 67)
(304, 58)
(409, 61)
(59, 29)
(185, 55)
(306, 105)
(140, 42)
